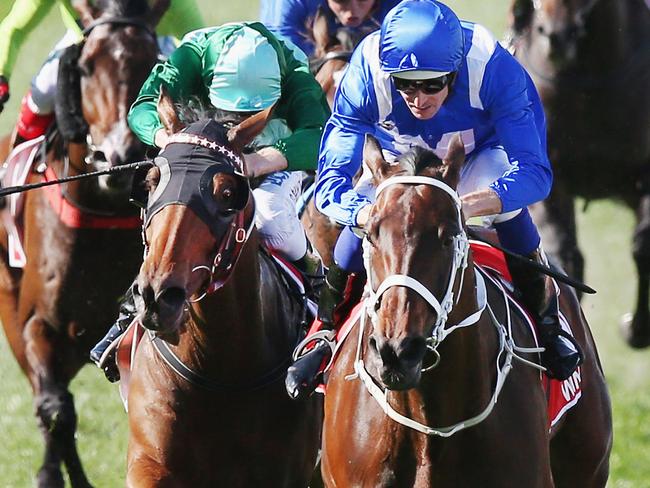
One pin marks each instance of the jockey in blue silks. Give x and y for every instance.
(422, 78)
(293, 19)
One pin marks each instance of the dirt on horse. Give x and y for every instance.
(590, 61)
(213, 299)
(83, 250)
(434, 347)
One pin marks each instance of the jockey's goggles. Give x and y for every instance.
(428, 87)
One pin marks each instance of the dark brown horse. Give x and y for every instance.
(590, 60)
(79, 258)
(207, 404)
(427, 308)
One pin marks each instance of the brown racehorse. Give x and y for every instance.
(590, 60)
(216, 413)
(65, 298)
(424, 284)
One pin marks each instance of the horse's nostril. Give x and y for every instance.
(412, 349)
(171, 299)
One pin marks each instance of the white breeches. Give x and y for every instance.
(276, 219)
(478, 172)
(43, 87)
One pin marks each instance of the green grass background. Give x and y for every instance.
(605, 234)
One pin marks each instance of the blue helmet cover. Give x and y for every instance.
(422, 35)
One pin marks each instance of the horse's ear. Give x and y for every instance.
(453, 161)
(87, 11)
(521, 14)
(167, 112)
(242, 134)
(374, 159)
(321, 32)
(158, 9)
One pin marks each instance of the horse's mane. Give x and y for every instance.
(419, 159)
(123, 8)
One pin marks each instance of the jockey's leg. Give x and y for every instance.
(343, 288)
(98, 354)
(518, 233)
(277, 222)
(37, 108)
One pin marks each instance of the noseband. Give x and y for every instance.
(443, 308)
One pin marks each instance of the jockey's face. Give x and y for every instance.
(422, 105)
(351, 13)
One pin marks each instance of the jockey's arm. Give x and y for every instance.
(22, 19)
(342, 149)
(288, 19)
(516, 112)
(181, 74)
(304, 107)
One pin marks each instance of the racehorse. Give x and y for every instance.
(437, 344)
(82, 240)
(590, 60)
(207, 404)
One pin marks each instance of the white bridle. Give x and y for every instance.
(442, 308)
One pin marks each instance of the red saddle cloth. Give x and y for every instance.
(561, 395)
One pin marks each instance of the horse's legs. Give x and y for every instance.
(556, 220)
(53, 403)
(636, 327)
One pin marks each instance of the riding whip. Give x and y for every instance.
(115, 169)
(578, 285)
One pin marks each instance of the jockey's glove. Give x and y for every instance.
(4, 91)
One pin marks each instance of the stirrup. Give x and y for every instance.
(327, 336)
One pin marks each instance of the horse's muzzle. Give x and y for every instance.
(164, 311)
(398, 362)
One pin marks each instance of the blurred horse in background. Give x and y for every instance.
(332, 53)
(590, 60)
(81, 240)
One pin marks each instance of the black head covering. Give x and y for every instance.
(187, 166)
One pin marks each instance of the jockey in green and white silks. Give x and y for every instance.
(241, 68)
(244, 68)
(37, 110)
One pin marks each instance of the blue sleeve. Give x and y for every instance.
(288, 19)
(341, 152)
(516, 112)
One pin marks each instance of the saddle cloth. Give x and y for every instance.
(16, 170)
(561, 395)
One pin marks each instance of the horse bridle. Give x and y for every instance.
(442, 308)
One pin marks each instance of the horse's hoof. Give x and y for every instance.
(634, 335)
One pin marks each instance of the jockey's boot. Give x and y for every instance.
(102, 354)
(340, 293)
(31, 124)
(312, 270)
(562, 354)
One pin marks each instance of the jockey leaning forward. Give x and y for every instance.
(37, 107)
(241, 69)
(422, 78)
(293, 19)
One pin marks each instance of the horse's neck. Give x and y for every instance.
(241, 323)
